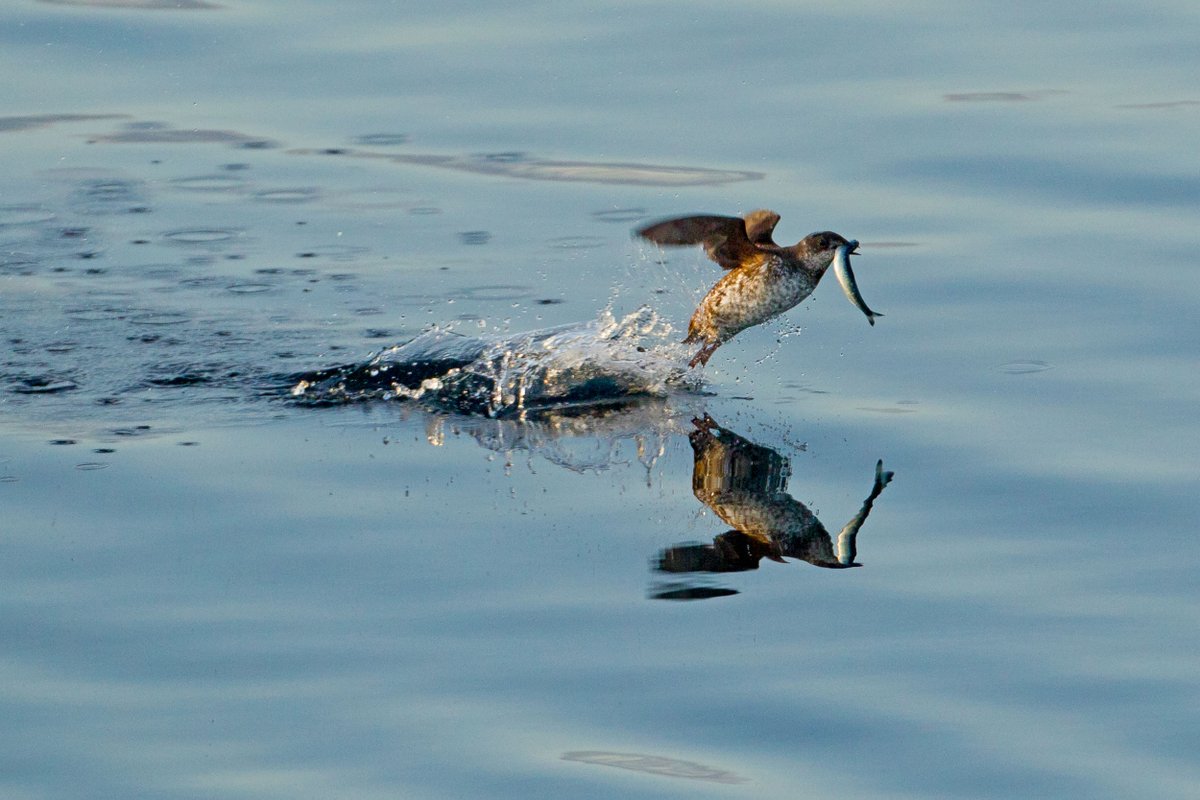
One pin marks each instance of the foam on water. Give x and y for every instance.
(600, 361)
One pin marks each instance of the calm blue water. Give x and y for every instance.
(207, 590)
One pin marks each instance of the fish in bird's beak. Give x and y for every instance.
(845, 276)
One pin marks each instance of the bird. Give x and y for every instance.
(764, 279)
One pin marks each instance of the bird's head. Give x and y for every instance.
(817, 249)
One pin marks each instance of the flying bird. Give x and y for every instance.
(763, 280)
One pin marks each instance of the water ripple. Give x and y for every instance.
(191, 236)
(1023, 367)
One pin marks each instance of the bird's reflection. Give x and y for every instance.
(745, 485)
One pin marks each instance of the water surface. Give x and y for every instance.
(212, 590)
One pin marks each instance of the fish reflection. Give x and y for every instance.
(745, 484)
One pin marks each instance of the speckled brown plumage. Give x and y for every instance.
(764, 279)
(745, 485)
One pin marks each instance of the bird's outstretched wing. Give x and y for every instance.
(760, 225)
(724, 238)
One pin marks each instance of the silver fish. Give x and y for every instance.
(845, 276)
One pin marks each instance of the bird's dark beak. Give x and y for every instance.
(853, 247)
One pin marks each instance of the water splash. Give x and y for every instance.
(783, 330)
(605, 360)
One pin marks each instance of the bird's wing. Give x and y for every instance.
(759, 226)
(724, 238)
